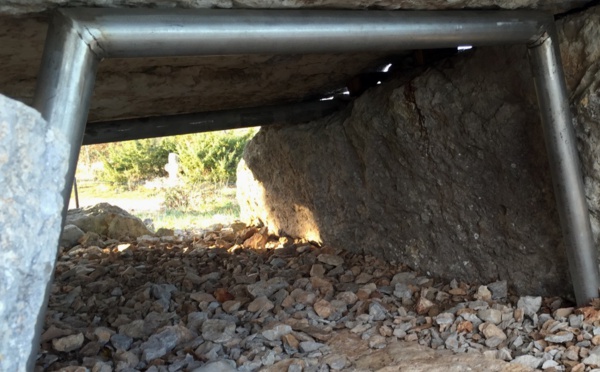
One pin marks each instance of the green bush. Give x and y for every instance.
(211, 157)
(131, 162)
(204, 157)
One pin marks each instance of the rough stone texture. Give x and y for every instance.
(108, 220)
(33, 161)
(401, 356)
(70, 235)
(164, 86)
(447, 172)
(34, 6)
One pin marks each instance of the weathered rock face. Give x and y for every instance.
(35, 6)
(447, 173)
(166, 86)
(107, 220)
(33, 161)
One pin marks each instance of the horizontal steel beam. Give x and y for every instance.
(161, 126)
(186, 32)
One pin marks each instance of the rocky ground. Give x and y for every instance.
(236, 298)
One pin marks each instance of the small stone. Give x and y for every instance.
(202, 297)
(490, 330)
(363, 278)
(317, 270)
(290, 343)
(103, 334)
(528, 360)
(349, 298)
(266, 288)
(218, 330)
(563, 312)
(134, 329)
(530, 305)
(493, 342)
(68, 343)
(335, 361)
(70, 236)
(593, 358)
(549, 364)
(377, 311)
(504, 354)
(404, 277)
(256, 241)
(403, 291)
(377, 342)
(323, 308)
(101, 367)
(162, 292)
(260, 304)
(330, 259)
(444, 319)
(208, 351)
(231, 306)
(519, 315)
(499, 289)
(560, 337)
(309, 346)
(195, 320)
(483, 293)
(423, 306)
(121, 342)
(490, 315)
(54, 332)
(303, 297)
(451, 342)
(163, 342)
(275, 332)
(217, 366)
(386, 331)
(127, 359)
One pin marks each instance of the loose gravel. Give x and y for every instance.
(236, 298)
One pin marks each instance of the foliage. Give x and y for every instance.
(204, 157)
(211, 157)
(131, 162)
(180, 198)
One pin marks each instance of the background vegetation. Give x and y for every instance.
(204, 157)
(122, 172)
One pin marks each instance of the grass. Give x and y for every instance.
(211, 204)
(194, 206)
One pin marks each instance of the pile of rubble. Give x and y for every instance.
(236, 298)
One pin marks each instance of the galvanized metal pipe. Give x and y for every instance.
(179, 32)
(565, 167)
(64, 88)
(160, 126)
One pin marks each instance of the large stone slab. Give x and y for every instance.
(140, 87)
(447, 172)
(33, 161)
(36, 6)
(165, 86)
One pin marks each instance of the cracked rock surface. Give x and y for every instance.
(205, 301)
(449, 166)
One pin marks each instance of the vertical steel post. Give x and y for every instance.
(565, 167)
(63, 92)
